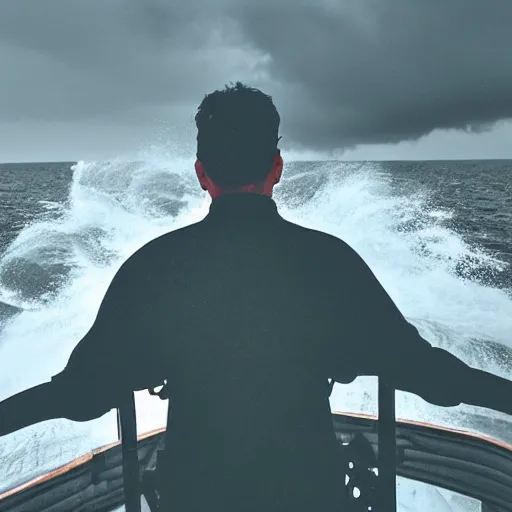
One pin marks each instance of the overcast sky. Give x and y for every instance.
(84, 79)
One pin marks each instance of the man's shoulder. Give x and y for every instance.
(160, 252)
(167, 242)
(321, 240)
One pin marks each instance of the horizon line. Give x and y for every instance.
(31, 162)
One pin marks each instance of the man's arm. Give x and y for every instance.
(116, 355)
(112, 359)
(383, 343)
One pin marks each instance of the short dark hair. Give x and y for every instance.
(237, 135)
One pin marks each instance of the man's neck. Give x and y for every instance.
(261, 188)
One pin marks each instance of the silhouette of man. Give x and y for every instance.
(247, 316)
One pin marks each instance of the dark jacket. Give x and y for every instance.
(247, 316)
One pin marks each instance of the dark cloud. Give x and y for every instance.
(69, 60)
(373, 71)
(341, 72)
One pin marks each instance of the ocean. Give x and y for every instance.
(438, 235)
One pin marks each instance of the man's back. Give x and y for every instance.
(247, 316)
(243, 327)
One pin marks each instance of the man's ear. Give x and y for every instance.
(201, 174)
(278, 168)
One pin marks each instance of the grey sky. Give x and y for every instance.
(95, 78)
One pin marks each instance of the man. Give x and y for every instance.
(247, 316)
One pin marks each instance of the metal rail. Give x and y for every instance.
(386, 426)
(127, 432)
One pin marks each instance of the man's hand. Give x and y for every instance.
(487, 390)
(45, 402)
(26, 408)
(443, 379)
(434, 374)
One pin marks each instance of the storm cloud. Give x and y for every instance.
(342, 72)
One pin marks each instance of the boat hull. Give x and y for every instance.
(469, 464)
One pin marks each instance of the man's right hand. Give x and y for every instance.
(442, 379)
(488, 390)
